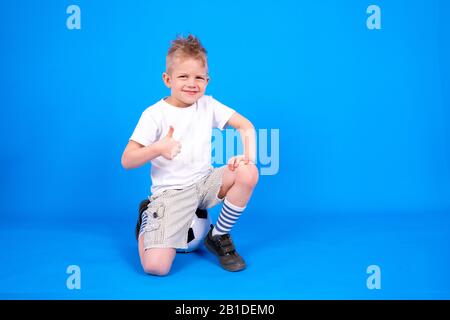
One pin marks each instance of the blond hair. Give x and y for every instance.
(183, 48)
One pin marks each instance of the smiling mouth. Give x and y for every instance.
(190, 92)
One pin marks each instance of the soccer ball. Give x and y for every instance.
(200, 225)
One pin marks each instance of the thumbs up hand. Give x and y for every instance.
(169, 146)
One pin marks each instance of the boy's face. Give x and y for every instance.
(187, 80)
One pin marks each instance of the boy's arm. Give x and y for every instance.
(248, 136)
(136, 155)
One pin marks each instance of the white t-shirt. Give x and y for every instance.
(192, 128)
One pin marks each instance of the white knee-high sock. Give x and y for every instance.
(228, 216)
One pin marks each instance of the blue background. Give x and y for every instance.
(364, 124)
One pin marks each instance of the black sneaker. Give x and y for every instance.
(222, 246)
(142, 207)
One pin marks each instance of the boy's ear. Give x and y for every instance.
(166, 79)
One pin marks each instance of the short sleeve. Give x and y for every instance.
(221, 113)
(146, 130)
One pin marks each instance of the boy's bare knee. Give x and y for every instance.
(157, 261)
(247, 175)
(156, 269)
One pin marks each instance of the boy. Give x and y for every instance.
(175, 135)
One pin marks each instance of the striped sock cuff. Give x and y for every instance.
(233, 207)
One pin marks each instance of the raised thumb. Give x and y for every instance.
(170, 133)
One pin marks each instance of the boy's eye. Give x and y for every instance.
(182, 77)
(200, 78)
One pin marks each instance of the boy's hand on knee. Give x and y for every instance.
(169, 146)
(237, 161)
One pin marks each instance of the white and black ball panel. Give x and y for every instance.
(191, 235)
(201, 214)
(200, 225)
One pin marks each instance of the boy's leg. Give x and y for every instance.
(156, 261)
(236, 190)
(163, 225)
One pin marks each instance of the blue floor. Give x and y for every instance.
(301, 256)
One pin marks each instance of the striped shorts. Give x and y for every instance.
(166, 221)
